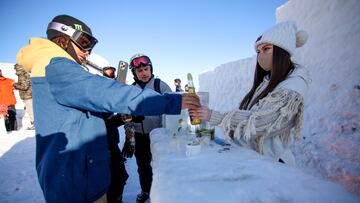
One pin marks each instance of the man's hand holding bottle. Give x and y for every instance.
(190, 101)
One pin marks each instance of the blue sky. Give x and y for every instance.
(179, 36)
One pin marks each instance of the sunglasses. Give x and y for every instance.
(140, 61)
(82, 39)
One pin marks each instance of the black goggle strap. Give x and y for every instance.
(73, 33)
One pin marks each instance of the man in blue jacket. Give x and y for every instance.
(72, 154)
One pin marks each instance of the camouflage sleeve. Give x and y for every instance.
(23, 83)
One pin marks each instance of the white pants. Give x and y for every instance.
(2, 126)
(29, 109)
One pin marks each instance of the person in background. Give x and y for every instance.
(109, 72)
(142, 69)
(117, 166)
(25, 91)
(7, 98)
(72, 151)
(3, 115)
(177, 83)
(271, 114)
(186, 88)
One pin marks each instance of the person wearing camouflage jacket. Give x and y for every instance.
(25, 91)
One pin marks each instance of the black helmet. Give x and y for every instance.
(77, 30)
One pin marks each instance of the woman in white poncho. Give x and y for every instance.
(270, 115)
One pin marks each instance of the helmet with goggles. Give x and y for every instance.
(78, 31)
(139, 60)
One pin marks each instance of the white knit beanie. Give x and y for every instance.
(285, 36)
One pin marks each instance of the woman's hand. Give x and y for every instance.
(204, 113)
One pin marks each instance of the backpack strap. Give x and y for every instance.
(157, 85)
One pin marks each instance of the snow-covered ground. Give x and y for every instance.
(175, 177)
(331, 145)
(331, 135)
(18, 179)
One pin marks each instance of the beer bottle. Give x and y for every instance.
(196, 120)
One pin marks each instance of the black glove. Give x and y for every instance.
(128, 149)
(137, 119)
(114, 120)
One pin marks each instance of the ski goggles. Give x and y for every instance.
(82, 39)
(140, 61)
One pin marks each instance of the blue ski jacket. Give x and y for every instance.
(72, 154)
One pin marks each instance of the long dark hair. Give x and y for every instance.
(282, 66)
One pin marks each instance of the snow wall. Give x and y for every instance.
(331, 135)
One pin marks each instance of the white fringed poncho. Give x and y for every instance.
(272, 123)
